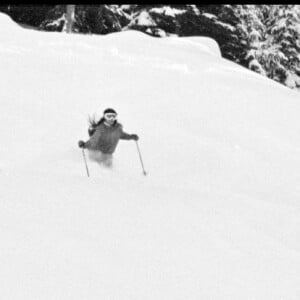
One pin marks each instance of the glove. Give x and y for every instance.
(81, 144)
(135, 137)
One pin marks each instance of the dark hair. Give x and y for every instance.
(93, 124)
(109, 110)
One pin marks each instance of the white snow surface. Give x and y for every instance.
(144, 19)
(168, 11)
(217, 216)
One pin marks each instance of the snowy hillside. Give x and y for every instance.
(217, 217)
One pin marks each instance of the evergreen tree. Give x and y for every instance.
(263, 38)
(97, 19)
(32, 15)
(272, 46)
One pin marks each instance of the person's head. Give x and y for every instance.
(110, 116)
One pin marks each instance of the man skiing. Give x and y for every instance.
(104, 137)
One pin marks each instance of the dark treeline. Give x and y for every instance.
(263, 38)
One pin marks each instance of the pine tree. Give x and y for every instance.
(96, 19)
(272, 46)
(32, 15)
(284, 32)
(263, 38)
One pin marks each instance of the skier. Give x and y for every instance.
(104, 137)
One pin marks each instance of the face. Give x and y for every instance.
(110, 118)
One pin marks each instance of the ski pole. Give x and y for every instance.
(86, 166)
(138, 148)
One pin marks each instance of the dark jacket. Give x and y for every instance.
(105, 138)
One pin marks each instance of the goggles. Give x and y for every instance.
(110, 116)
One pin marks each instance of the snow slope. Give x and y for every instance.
(217, 217)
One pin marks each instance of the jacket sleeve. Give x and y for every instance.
(124, 135)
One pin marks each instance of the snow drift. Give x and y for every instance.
(216, 218)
